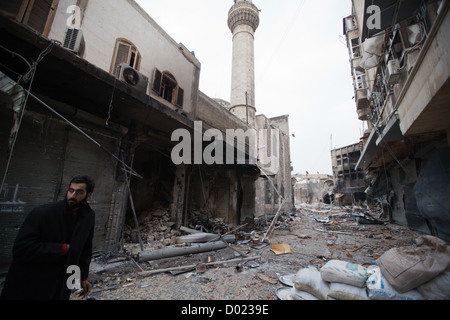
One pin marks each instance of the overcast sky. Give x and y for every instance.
(301, 62)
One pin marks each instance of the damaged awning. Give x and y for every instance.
(391, 132)
(380, 15)
(370, 150)
(373, 50)
(13, 90)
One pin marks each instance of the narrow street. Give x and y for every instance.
(314, 234)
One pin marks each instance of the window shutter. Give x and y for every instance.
(157, 79)
(122, 55)
(137, 64)
(180, 97)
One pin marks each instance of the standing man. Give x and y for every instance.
(52, 238)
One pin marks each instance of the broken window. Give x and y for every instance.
(355, 48)
(37, 14)
(125, 52)
(360, 80)
(166, 86)
(349, 24)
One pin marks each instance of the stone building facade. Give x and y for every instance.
(400, 64)
(107, 87)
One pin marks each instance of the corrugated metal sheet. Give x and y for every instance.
(84, 157)
(34, 169)
(48, 153)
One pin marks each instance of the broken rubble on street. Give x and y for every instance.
(234, 263)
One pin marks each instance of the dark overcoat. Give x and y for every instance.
(39, 270)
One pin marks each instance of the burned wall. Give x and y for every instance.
(223, 192)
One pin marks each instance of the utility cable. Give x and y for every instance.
(29, 75)
(128, 168)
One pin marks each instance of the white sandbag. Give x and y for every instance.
(290, 293)
(342, 291)
(378, 288)
(310, 281)
(302, 295)
(438, 288)
(344, 272)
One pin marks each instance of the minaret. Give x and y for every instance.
(243, 20)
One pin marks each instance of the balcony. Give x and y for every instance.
(356, 64)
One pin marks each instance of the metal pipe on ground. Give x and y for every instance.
(151, 272)
(168, 252)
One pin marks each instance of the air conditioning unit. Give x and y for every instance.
(132, 77)
(73, 40)
(393, 72)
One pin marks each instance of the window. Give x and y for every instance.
(268, 193)
(125, 52)
(349, 24)
(360, 80)
(275, 145)
(355, 48)
(37, 14)
(166, 86)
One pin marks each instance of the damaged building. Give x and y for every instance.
(350, 182)
(82, 95)
(313, 188)
(400, 65)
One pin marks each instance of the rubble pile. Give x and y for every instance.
(202, 221)
(156, 229)
(317, 252)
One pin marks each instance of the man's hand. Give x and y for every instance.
(86, 287)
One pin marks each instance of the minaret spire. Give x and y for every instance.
(243, 20)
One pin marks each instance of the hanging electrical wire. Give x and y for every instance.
(29, 76)
(126, 167)
(282, 39)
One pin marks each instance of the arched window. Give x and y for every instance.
(125, 52)
(166, 86)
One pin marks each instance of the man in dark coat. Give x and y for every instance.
(52, 238)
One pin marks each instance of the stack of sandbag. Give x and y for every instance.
(422, 267)
(347, 280)
(378, 288)
(406, 273)
(337, 280)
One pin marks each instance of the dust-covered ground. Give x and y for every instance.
(314, 235)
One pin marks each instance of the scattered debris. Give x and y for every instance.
(265, 278)
(245, 264)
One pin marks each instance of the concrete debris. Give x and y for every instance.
(156, 230)
(244, 269)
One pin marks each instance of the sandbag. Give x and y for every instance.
(438, 288)
(344, 272)
(380, 289)
(310, 281)
(407, 268)
(342, 291)
(301, 295)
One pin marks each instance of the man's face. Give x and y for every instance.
(77, 195)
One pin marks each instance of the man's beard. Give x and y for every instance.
(75, 204)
